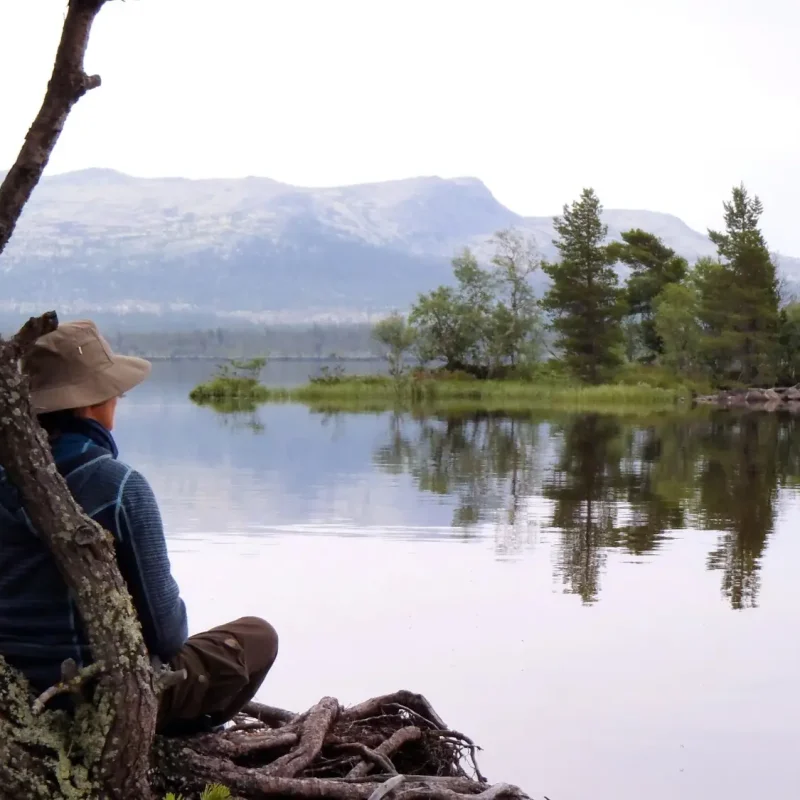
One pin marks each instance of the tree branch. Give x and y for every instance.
(269, 715)
(368, 755)
(415, 702)
(68, 83)
(390, 746)
(27, 335)
(312, 736)
(70, 684)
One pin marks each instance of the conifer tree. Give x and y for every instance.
(653, 266)
(739, 299)
(585, 298)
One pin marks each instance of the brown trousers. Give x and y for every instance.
(225, 668)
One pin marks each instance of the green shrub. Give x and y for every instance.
(212, 792)
(661, 377)
(228, 389)
(441, 375)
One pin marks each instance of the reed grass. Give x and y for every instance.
(379, 392)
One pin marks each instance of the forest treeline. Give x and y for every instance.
(721, 321)
(310, 341)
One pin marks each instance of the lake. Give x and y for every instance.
(608, 605)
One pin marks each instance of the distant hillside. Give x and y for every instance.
(101, 242)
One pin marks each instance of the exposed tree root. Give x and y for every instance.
(394, 746)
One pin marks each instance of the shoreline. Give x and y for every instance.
(381, 392)
(282, 359)
(785, 398)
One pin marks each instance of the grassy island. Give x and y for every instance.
(438, 389)
(236, 386)
(235, 383)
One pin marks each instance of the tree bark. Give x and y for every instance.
(106, 751)
(114, 733)
(395, 744)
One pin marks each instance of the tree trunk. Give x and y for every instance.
(109, 744)
(105, 752)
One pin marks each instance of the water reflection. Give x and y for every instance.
(586, 486)
(742, 465)
(611, 484)
(238, 414)
(486, 461)
(448, 531)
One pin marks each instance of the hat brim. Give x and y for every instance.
(121, 375)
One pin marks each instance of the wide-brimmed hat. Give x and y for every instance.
(75, 367)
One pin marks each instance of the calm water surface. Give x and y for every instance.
(609, 606)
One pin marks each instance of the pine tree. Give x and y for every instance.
(653, 266)
(585, 298)
(739, 298)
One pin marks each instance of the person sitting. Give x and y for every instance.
(76, 380)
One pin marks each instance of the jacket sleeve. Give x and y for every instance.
(144, 563)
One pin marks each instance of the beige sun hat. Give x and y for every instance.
(75, 367)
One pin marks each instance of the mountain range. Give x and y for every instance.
(217, 251)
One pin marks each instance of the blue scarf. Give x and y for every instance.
(75, 435)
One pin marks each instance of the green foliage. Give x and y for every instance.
(656, 376)
(677, 327)
(421, 374)
(451, 323)
(329, 375)
(489, 322)
(719, 340)
(439, 320)
(229, 389)
(553, 371)
(216, 792)
(789, 344)
(424, 388)
(585, 299)
(398, 337)
(247, 369)
(213, 792)
(514, 327)
(739, 297)
(235, 382)
(653, 267)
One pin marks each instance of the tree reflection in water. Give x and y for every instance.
(601, 483)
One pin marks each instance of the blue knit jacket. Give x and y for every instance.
(39, 623)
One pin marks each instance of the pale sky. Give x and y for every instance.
(658, 105)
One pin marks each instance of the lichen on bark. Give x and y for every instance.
(109, 743)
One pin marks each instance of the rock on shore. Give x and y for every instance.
(779, 399)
